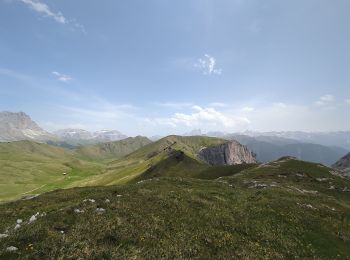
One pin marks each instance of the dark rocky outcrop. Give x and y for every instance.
(343, 164)
(230, 153)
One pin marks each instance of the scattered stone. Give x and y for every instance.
(346, 189)
(332, 187)
(304, 191)
(306, 206)
(3, 236)
(107, 201)
(300, 175)
(62, 232)
(100, 210)
(119, 195)
(78, 211)
(90, 200)
(321, 179)
(19, 221)
(282, 176)
(34, 217)
(17, 226)
(11, 249)
(258, 186)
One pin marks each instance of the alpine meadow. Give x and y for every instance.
(190, 129)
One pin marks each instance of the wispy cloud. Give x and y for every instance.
(62, 77)
(44, 9)
(208, 66)
(325, 100)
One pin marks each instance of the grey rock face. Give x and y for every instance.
(343, 164)
(19, 126)
(230, 153)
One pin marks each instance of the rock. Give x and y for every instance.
(19, 221)
(3, 236)
(17, 226)
(19, 126)
(321, 179)
(78, 211)
(90, 200)
(107, 201)
(230, 153)
(34, 217)
(11, 249)
(100, 210)
(343, 165)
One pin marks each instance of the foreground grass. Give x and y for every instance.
(252, 214)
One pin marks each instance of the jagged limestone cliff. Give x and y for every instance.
(230, 153)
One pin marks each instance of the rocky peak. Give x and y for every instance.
(19, 126)
(229, 153)
(343, 164)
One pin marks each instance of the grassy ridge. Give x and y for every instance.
(155, 159)
(112, 150)
(281, 210)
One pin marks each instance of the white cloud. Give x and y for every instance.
(62, 77)
(325, 100)
(44, 9)
(207, 119)
(347, 101)
(207, 65)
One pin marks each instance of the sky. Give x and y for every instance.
(160, 67)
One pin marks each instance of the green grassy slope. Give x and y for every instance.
(28, 168)
(149, 157)
(286, 209)
(32, 168)
(112, 150)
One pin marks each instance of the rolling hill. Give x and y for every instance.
(171, 156)
(28, 168)
(112, 150)
(284, 209)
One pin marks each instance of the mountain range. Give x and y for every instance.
(324, 148)
(19, 126)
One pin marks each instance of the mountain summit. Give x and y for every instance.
(19, 126)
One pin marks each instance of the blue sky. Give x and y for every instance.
(160, 67)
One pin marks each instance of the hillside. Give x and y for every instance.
(157, 155)
(112, 150)
(285, 209)
(29, 168)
